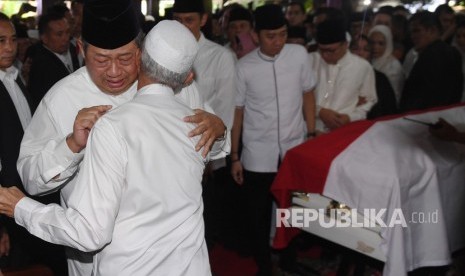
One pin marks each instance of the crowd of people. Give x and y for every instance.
(132, 147)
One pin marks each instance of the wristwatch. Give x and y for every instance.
(224, 135)
(311, 134)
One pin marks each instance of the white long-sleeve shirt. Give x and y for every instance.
(214, 68)
(44, 153)
(340, 86)
(138, 194)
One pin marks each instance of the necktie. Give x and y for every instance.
(15, 88)
(70, 68)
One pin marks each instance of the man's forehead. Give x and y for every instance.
(294, 8)
(129, 48)
(186, 14)
(330, 46)
(275, 31)
(7, 28)
(60, 23)
(239, 22)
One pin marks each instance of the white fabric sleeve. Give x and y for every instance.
(368, 91)
(87, 224)
(307, 75)
(190, 95)
(45, 161)
(241, 86)
(224, 94)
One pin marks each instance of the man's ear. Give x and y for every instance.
(189, 79)
(203, 19)
(254, 36)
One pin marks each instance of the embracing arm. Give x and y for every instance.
(367, 91)
(209, 126)
(87, 224)
(49, 157)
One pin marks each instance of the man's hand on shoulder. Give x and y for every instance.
(85, 120)
(210, 126)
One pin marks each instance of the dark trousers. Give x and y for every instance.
(258, 203)
(213, 193)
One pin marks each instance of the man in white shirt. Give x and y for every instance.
(15, 115)
(214, 69)
(274, 108)
(54, 143)
(138, 200)
(346, 83)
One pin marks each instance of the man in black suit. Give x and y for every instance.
(15, 114)
(436, 78)
(54, 58)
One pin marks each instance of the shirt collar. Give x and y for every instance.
(266, 57)
(62, 57)
(9, 72)
(156, 89)
(341, 62)
(345, 59)
(202, 40)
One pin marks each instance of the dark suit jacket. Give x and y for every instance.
(386, 104)
(435, 79)
(11, 134)
(25, 248)
(46, 70)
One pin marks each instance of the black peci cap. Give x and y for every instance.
(269, 17)
(330, 31)
(185, 6)
(109, 24)
(240, 13)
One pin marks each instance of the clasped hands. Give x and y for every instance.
(333, 119)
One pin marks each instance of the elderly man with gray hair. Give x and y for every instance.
(138, 200)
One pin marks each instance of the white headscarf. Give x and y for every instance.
(386, 58)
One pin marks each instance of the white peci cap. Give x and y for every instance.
(172, 45)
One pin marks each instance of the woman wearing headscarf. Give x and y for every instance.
(382, 58)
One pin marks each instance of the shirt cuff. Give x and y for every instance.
(356, 116)
(69, 159)
(23, 210)
(221, 148)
